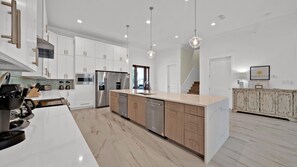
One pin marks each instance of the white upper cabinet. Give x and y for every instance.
(84, 47)
(120, 53)
(20, 54)
(65, 57)
(84, 64)
(104, 51)
(53, 63)
(42, 31)
(65, 45)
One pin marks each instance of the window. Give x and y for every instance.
(140, 75)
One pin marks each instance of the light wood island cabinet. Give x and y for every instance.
(194, 128)
(271, 102)
(136, 109)
(174, 122)
(198, 123)
(114, 102)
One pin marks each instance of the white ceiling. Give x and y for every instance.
(107, 19)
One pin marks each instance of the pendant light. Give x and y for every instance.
(151, 53)
(196, 40)
(127, 58)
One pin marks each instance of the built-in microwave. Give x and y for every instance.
(84, 79)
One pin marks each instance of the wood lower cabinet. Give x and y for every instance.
(114, 102)
(136, 109)
(194, 128)
(272, 102)
(174, 122)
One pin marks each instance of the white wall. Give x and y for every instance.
(272, 42)
(161, 61)
(138, 57)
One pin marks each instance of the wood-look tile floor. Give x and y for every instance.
(254, 141)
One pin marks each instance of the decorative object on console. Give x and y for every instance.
(260, 72)
(241, 76)
(258, 86)
(264, 84)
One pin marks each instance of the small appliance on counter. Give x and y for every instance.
(67, 87)
(61, 87)
(11, 98)
(46, 87)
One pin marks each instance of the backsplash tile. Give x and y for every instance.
(17, 78)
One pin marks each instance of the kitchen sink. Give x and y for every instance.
(143, 93)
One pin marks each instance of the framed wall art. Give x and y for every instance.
(260, 72)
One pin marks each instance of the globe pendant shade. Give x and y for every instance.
(151, 54)
(195, 42)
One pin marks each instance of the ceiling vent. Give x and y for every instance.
(222, 17)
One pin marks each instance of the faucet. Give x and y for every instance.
(147, 85)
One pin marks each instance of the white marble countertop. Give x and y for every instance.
(197, 100)
(48, 95)
(53, 139)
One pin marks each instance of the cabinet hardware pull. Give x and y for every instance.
(18, 28)
(36, 56)
(13, 12)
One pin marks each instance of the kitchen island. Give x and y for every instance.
(53, 139)
(199, 123)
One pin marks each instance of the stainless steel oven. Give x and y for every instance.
(84, 79)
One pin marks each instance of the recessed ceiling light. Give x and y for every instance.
(186, 0)
(148, 22)
(213, 24)
(154, 44)
(79, 21)
(126, 36)
(176, 36)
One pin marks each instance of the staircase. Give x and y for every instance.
(195, 88)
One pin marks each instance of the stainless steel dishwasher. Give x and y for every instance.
(123, 107)
(155, 116)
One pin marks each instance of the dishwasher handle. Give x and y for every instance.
(152, 103)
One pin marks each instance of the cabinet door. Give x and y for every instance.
(120, 53)
(174, 121)
(253, 99)
(62, 61)
(140, 111)
(69, 67)
(108, 65)
(132, 105)
(80, 64)
(45, 65)
(84, 47)
(71, 98)
(239, 100)
(295, 105)
(53, 63)
(284, 104)
(267, 102)
(120, 66)
(104, 51)
(65, 45)
(90, 64)
(100, 63)
(114, 101)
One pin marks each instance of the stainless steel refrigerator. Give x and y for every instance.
(106, 81)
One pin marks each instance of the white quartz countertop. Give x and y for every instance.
(48, 95)
(197, 100)
(53, 139)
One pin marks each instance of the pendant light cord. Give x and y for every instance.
(127, 40)
(151, 31)
(195, 18)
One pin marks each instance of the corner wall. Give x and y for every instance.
(272, 42)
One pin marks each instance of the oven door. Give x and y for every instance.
(84, 79)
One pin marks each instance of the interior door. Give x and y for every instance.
(172, 78)
(220, 77)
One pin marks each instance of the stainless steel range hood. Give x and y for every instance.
(45, 49)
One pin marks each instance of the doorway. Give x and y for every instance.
(220, 77)
(172, 78)
(141, 77)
